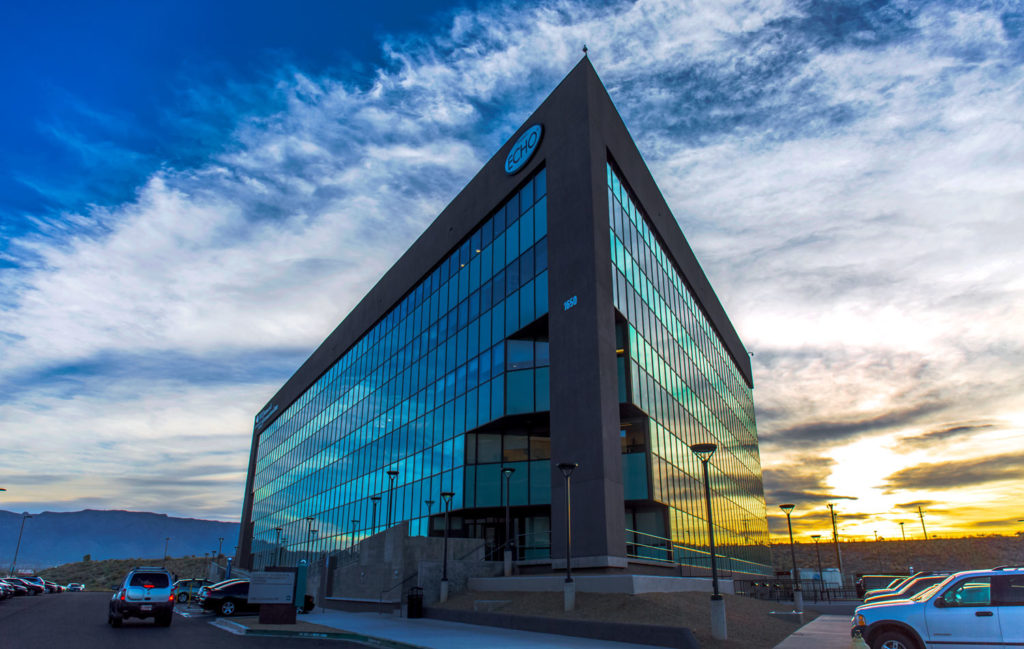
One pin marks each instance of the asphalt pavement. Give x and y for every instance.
(80, 620)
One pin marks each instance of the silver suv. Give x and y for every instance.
(973, 609)
(145, 592)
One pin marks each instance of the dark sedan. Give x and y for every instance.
(18, 587)
(33, 588)
(228, 598)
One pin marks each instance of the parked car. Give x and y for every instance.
(18, 587)
(907, 589)
(33, 587)
(145, 592)
(865, 583)
(202, 590)
(75, 587)
(228, 598)
(186, 590)
(967, 609)
(6, 591)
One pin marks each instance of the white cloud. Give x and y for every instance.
(856, 207)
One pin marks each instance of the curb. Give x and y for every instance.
(241, 629)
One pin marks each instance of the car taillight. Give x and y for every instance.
(170, 597)
(122, 595)
(147, 585)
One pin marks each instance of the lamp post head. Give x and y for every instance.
(703, 451)
(787, 507)
(428, 502)
(446, 496)
(310, 519)
(355, 521)
(567, 468)
(507, 471)
(393, 474)
(815, 537)
(375, 499)
(278, 529)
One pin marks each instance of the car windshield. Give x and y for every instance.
(226, 582)
(920, 584)
(150, 580)
(926, 593)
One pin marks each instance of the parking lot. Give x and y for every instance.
(80, 620)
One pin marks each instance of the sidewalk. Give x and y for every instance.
(426, 633)
(392, 632)
(824, 632)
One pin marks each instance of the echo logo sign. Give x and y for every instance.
(523, 149)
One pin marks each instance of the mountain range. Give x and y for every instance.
(53, 538)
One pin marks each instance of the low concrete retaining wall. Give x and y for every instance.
(659, 636)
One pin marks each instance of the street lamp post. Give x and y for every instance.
(446, 496)
(430, 507)
(220, 545)
(373, 518)
(164, 560)
(506, 472)
(719, 629)
(567, 469)
(24, 516)
(309, 535)
(835, 539)
(821, 575)
(798, 596)
(355, 525)
(903, 532)
(391, 488)
(277, 544)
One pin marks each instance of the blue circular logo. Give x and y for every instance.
(523, 149)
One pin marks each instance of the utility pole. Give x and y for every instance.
(18, 547)
(903, 532)
(921, 514)
(835, 539)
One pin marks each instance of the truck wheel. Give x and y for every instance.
(892, 640)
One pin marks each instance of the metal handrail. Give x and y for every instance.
(650, 547)
(380, 599)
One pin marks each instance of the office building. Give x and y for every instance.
(553, 312)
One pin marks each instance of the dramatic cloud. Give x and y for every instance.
(983, 470)
(851, 186)
(946, 434)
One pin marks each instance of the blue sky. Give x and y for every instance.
(192, 196)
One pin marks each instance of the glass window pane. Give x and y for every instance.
(540, 486)
(543, 390)
(488, 485)
(540, 447)
(519, 395)
(488, 448)
(516, 448)
(520, 354)
(540, 219)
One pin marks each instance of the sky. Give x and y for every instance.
(193, 195)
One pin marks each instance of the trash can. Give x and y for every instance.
(414, 602)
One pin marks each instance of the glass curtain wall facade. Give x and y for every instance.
(675, 370)
(402, 398)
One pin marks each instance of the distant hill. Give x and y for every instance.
(54, 538)
(899, 557)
